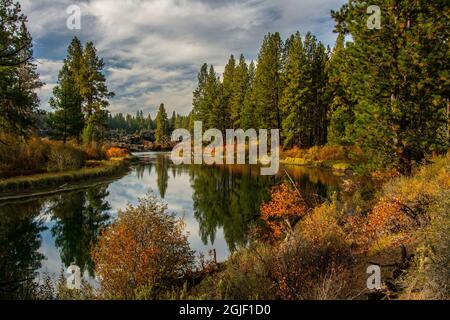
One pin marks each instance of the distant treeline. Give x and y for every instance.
(140, 122)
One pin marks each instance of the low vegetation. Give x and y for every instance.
(335, 157)
(143, 253)
(38, 163)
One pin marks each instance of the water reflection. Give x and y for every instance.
(78, 218)
(218, 203)
(20, 240)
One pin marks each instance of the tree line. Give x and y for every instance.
(386, 91)
(383, 90)
(138, 123)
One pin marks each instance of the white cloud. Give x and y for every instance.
(153, 49)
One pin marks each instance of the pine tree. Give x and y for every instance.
(173, 120)
(247, 119)
(228, 90)
(18, 77)
(304, 102)
(67, 121)
(215, 103)
(240, 89)
(341, 114)
(296, 93)
(94, 91)
(319, 80)
(267, 85)
(402, 84)
(162, 126)
(200, 110)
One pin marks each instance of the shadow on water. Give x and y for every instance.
(220, 204)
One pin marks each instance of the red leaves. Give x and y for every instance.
(283, 211)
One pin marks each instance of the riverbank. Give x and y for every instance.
(334, 165)
(59, 180)
(335, 158)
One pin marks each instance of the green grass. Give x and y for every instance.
(93, 170)
(335, 165)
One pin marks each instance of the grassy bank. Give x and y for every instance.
(92, 170)
(335, 165)
(332, 157)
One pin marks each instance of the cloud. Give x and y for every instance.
(153, 49)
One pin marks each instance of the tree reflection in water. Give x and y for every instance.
(20, 228)
(79, 217)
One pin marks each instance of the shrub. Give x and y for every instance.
(294, 152)
(244, 278)
(305, 272)
(404, 204)
(94, 151)
(20, 157)
(65, 157)
(116, 153)
(325, 226)
(38, 152)
(331, 153)
(293, 270)
(429, 276)
(283, 211)
(145, 250)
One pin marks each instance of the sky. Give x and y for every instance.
(153, 49)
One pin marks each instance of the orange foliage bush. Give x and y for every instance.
(294, 152)
(283, 211)
(116, 153)
(331, 153)
(144, 250)
(21, 157)
(94, 152)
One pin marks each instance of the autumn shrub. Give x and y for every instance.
(405, 203)
(142, 253)
(429, 276)
(65, 157)
(245, 277)
(11, 154)
(302, 271)
(20, 157)
(314, 262)
(325, 226)
(94, 151)
(292, 270)
(317, 154)
(38, 152)
(115, 152)
(294, 152)
(331, 153)
(282, 212)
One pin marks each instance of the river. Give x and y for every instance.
(46, 234)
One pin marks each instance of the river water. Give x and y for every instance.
(48, 233)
